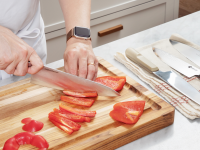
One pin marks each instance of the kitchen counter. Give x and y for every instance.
(184, 133)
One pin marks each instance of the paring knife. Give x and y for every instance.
(64, 81)
(191, 53)
(176, 63)
(169, 77)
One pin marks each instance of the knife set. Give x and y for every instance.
(177, 54)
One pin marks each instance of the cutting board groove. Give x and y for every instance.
(23, 99)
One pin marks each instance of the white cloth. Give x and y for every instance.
(23, 18)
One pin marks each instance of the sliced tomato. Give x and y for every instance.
(78, 101)
(114, 82)
(128, 112)
(86, 113)
(80, 94)
(71, 116)
(60, 126)
(64, 121)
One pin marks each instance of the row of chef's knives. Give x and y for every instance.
(181, 66)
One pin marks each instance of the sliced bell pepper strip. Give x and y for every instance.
(116, 83)
(128, 112)
(78, 101)
(11, 144)
(81, 112)
(63, 121)
(71, 116)
(80, 94)
(24, 138)
(64, 128)
(33, 126)
(26, 120)
(113, 78)
(39, 141)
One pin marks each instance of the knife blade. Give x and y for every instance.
(176, 63)
(169, 77)
(189, 52)
(60, 80)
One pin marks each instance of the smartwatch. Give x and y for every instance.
(80, 33)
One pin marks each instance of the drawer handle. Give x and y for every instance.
(110, 30)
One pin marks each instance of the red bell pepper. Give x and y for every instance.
(64, 128)
(71, 116)
(33, 126)
(39, 142)
(26, 120)
(78, 101)
(80, 94)
(11, 144)
(81, 112)
(114, 82)
(24, 138)
(128, 112)
(64, 121)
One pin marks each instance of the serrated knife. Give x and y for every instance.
(64, 81)
(169, 77)
(189, 52)
(178, 64)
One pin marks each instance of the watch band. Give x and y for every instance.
(70, 34)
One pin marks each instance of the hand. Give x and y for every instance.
(15, 54)
(80, 59)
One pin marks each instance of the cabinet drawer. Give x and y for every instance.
(131, 23)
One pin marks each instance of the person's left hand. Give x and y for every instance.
(80, 59)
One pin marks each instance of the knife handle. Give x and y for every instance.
(178, 38)
(136, 57)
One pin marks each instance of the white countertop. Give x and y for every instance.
(184, 134)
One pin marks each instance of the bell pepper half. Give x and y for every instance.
(80, 94)
(64, 121)
(64, 128)
(32, 126)
(86, 113)
(71, 116)
(128, 112)
(114, 82)
(78, 101)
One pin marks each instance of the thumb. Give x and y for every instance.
(36, 64)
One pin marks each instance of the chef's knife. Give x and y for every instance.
(176, 63)
(64, 81)
(191, 53)
(169, 77)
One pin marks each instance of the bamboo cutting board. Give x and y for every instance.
(23, 99)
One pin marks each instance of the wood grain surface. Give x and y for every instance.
(23, 99)
(187, 7)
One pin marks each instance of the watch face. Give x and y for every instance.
(82, 32)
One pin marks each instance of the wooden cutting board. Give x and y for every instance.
(23, 99)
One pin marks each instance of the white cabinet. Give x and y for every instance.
(134, 15)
